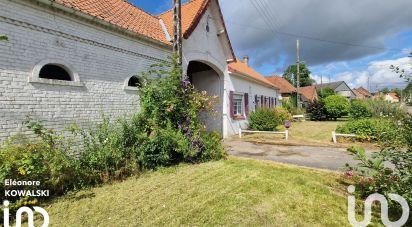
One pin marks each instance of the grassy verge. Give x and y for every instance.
(316, 133)
(233, 192)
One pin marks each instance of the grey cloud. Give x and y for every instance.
(361, 22)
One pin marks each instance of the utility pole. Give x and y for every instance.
(177, 31)
(297, 75)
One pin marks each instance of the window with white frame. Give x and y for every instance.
(238, 104)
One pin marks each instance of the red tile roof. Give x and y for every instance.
(192, 13)
(243, 69)
(362, 92)
(309, 93)
(281, 83)
(122, 14)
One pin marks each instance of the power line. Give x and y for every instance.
(261, 11)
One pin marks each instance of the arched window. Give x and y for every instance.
(54, 72)
(134, 81)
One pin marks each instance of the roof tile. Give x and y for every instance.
(122, 14)
(242, 68)
(281, 83)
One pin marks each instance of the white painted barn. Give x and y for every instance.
(73, 60)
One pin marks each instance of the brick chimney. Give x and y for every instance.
(246, 60)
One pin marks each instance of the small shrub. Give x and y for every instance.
(359, 109)
(336, 106)
(264, 119)
(317, 111)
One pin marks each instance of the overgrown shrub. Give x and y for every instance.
(170, 106)
(382, 108)
(317, 111)
(336, 106)
(168, 130)
(383, 131)
(359, 109)
(373, 175)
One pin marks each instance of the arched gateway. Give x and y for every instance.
(205, 77)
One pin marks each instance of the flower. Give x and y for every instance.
(349, 173)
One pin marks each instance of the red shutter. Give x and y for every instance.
(262, 101)
(231, 104)
(256, 102)
(247, 104)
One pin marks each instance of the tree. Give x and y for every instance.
(304, 79)
(402, 72)
(325, 92)
(385, 90)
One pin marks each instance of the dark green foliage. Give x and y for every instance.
(265, 119)
(3, 38)
(359, 109)
(325, 92)
(336, 106)
(170, 121)
(317, 111)
(304, 79)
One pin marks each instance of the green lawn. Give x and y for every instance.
(316, 133)
(233, 192)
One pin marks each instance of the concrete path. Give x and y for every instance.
(309, 156)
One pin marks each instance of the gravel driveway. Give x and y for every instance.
(309, 156)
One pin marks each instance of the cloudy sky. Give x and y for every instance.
(350, 40)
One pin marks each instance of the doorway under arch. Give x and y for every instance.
(204, 77)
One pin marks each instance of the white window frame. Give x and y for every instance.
(242, 104)
(35, 78)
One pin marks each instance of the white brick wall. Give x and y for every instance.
(103, 60)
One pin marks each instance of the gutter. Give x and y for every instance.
(53, 4)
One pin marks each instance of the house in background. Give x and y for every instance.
(308, 95)
(390, 97)
(340, 87)
(286, 89)
(362, 93)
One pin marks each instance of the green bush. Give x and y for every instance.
(106, 154)
(382, 108)
(380, 130)
(336, 106)
(359, 109)
(283, 114)
(265, 119)
(25, 160)
(171, 128)
(317, 111)
(372, 175)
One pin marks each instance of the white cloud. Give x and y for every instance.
(378, 73)
(366, 24)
